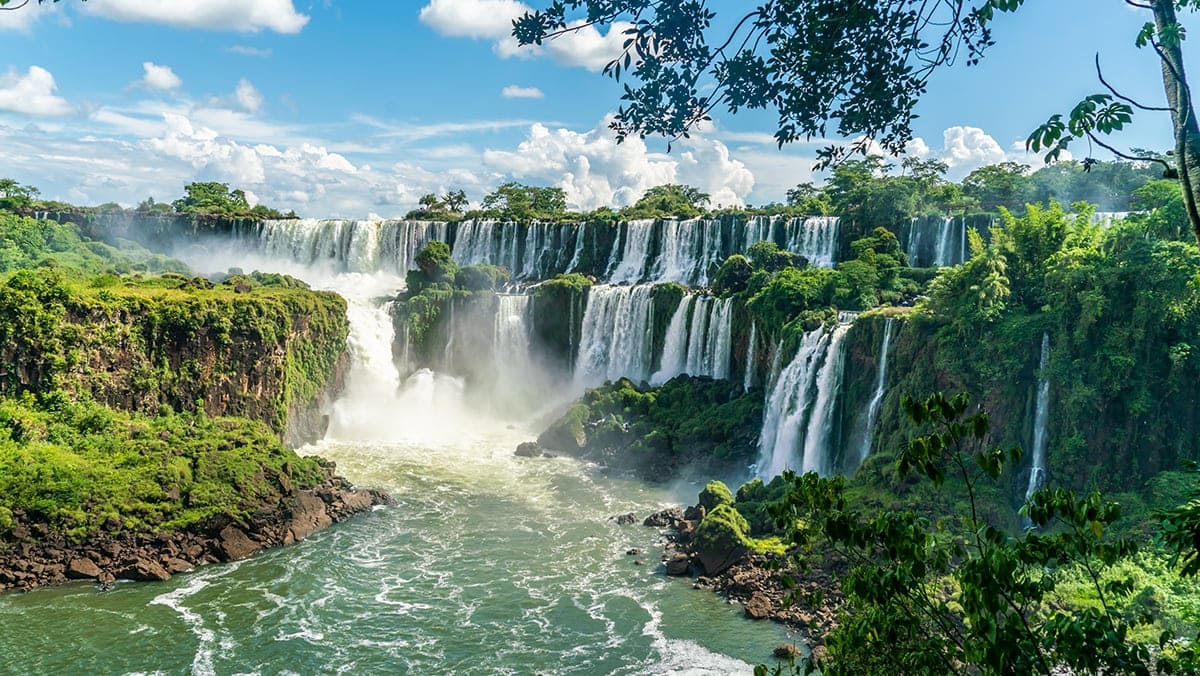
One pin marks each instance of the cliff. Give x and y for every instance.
(261, 347)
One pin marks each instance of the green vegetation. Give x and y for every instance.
(448, 207)
(956, 593)
(29, 243)
(516, 202)
(667, 201)
(83, 469)
(689, 424)
(216, 199)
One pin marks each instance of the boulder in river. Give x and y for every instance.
(679, 565)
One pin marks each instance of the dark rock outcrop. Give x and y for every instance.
(32, 556)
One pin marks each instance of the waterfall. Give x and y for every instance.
(913, 246)
(614, 340)
(345, 245)
(815, 238)
(702, 346)
(510, 336)
(788, 403)
(720, 338)
(877, 397)
(630, 266)
(798, 424)
(1037, 468)
(818, 438)
(675, 346)
(751, 354)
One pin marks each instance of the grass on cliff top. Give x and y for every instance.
(84, 469)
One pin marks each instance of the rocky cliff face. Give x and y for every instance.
(267, 350)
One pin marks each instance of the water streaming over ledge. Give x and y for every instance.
(877, 397)
(1041, 421)
(798, 422)
(684, 251)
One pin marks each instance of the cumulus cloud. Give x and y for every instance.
(32, 93)
(472, 18)
(159, 77)
(515, 92)
(247, 96)
(594, 170)
(970, 148)
(22, 19)
(231, 15)
(586, 47)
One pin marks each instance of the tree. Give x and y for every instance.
(1000, 185)
(519, 202)
(809, 199)
(854, 69)
(455, 201)
(13, 195)
(665, 201)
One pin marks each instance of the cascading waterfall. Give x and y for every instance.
(511, 337)
(818, 442)
(1037, 468)
(798, 422)
(614, 339)
(815, 238)
(628, 262)
(787, 405)
(877, 397)
(702, 346)
(945, 238)
(675, 346)
(751, 355)
(344, 245)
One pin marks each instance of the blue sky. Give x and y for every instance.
(339, 108)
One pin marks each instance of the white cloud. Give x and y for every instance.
(159, 77)
(594, 170)
(32, 93)
(515, 92)
(968, 148)
(232, 15)
(246, 50)
(247, 96)
(24, 18)
(587, 47)
(472, 18)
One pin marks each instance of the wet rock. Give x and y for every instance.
(758, 607)
(633, 552)
(309, 516)
(83, 569)
(667, 518)
(624, 519)
(530, 449)
(145, 570)
(176, 566)
(679, 565)
(786, 651)
(233, 544)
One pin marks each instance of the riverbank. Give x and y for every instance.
(33, 556)
(767, 586)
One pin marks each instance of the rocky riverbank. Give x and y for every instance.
(33, 556)
(755, 581)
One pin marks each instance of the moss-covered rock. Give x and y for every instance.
(715, 493)
(689, 425)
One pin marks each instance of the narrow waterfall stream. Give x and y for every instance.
(877, 397)
(1041, 420)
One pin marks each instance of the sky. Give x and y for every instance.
(353, 109)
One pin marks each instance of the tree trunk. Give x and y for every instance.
(1183, 114)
